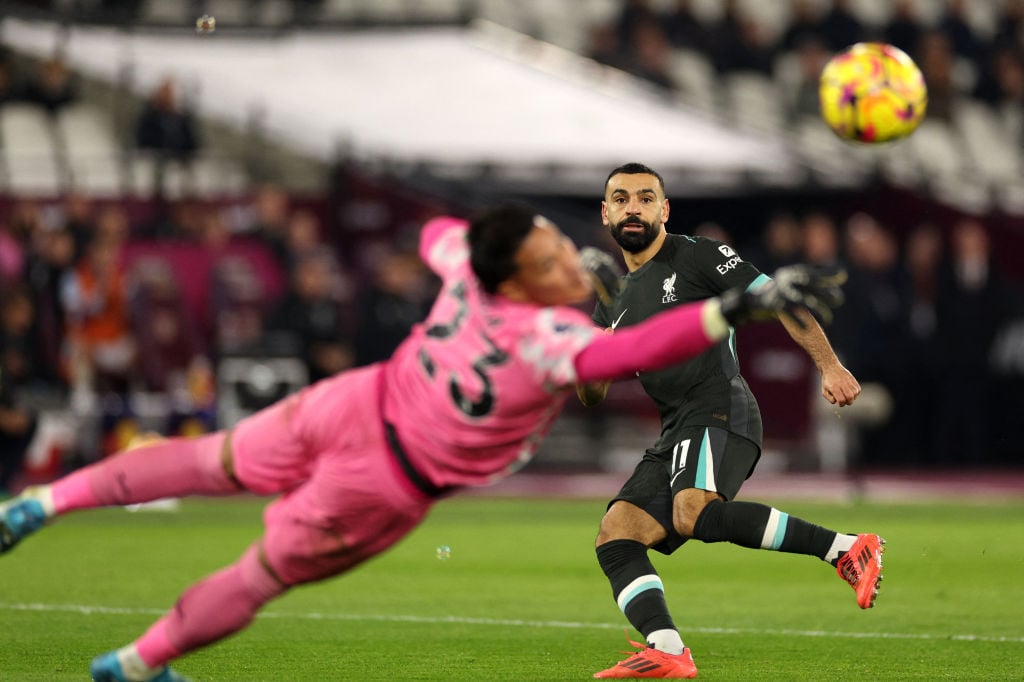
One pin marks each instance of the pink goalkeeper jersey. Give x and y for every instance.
(478, 384)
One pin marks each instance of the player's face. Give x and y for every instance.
(549, 269)
(634, 210)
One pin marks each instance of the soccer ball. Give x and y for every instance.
(872, 92)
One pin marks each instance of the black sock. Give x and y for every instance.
(635, 585)
(746, 523)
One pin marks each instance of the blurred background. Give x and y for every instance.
(193, 225)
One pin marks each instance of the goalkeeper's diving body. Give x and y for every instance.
(685, 485)
(358, 459)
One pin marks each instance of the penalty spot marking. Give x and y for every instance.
(88, 610)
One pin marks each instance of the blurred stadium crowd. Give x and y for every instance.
(121, 310)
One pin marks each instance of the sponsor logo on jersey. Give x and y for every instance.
(729, 264)
(726, 251)
(669, 285)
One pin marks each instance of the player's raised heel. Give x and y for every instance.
(19, 518)
(106, 668)
(649, 662)
(862, 568)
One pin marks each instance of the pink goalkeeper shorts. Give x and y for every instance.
(345, 499)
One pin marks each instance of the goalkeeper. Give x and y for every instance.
(359, 458)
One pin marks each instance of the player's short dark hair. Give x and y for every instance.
(495, 236)
(636, 169)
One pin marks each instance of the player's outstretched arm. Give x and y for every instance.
(791, 291)
(681, 333)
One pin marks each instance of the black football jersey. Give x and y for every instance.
(707, 390)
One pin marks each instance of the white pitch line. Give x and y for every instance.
(465, 620)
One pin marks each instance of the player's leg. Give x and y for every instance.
(639, 518)
(354, 506)
(211, 609)
(704, 485)
(157, 469)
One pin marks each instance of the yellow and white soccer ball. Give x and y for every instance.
(872, 92)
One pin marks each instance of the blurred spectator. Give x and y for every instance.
(959, 31)
(634, 13)
(804, 24)
(969, 307)
(820, 238)
(935, 57)
(165, 127)
(903, 28)
(17, 236)
(399, 296)
(214, 233)
(53, 257)
(868, 329)
(302, 237)
(174, 351)
(112, 225)
(53, 87)
(270, 225)
(811, 58)
(1009, 24)
(684, 30)
(714, 231)
(238, 305)
(917, 408)
(780, 243)
(19, 366)
(1002, 82)
(742, 43)
(840, 27)
(10, 87)
(651, 54)
(603, 46)
(21, 363)
(101, 350)
(80, 220)
(314, 313)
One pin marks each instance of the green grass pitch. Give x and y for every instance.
(522, 598)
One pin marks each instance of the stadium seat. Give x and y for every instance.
(343, 11)
(29, 148)
(436, 10)
(232, 12)
(217, 176)
(754, 102)
(835, 162)
(170, 12)
(384, 11)
(991, 146)
(937, 148)
(695, 76)
(92, 153)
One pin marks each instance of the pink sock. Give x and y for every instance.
(210, 610)
(171, 468)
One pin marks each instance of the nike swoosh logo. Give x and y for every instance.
(618, 319)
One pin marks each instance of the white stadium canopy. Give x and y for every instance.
(454, 97)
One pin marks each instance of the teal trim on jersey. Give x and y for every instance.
(780, 531)
(705, 479)
(650, 582)
(758, 281)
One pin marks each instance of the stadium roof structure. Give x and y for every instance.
(468, 103)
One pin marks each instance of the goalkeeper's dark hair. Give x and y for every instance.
(495, 236)
(636, 169)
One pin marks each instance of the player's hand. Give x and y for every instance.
(604, 273)
(791, 288)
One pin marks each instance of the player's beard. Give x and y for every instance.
(634, 242)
